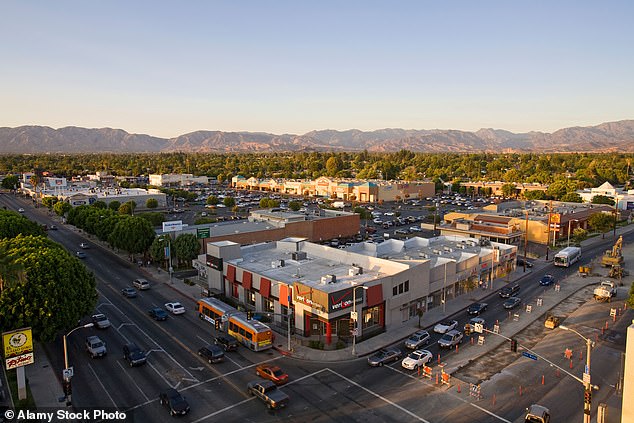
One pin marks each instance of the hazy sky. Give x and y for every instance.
(168, 68)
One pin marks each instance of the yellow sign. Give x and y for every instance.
(17, 342)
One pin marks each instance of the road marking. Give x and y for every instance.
(98, 379)
(133, 381)
(379, 396)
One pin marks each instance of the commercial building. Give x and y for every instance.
(177, 179)
(317, 283)
(624, 199)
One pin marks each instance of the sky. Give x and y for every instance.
(170, 68)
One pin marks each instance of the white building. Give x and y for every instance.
(181, 179)
(624, 199)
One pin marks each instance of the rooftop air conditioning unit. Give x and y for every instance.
(328, 279)
(355, 270)
(298, 255)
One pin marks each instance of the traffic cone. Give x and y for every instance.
(458, 387)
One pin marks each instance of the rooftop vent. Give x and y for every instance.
(298, 255)
(328, 279)
(355, 270)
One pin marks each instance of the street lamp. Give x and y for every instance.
(67, 372)
(569, 222)
(353, 316)
(587, 395)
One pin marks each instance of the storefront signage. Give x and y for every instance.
(322, 301)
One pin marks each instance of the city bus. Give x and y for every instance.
(251, 333)
(567, 256)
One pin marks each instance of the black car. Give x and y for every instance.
(477, 308)
(174, 401)
(227, 342)
(134, 355)
(520, 262)
(509, 290)
(547, 280)
(212, 353)
(511, 303)
(157, 313)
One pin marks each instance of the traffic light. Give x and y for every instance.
(513, 345)
(351, 325)
(467, 329)
(249, 315)
(68, 390)
(587, 396)
(217, 324)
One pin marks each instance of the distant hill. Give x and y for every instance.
(603, 138)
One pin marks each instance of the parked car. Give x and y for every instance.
(511, 302)
(129, 292)
(477, 308)
(134, 355)
(417, 359)
(417, 339)
(176, 404)
(212, 353)
(100, 321)
(451, 338)
(520, 262)
(95, 346)
(175, 308)
(80, 254)
(385, 355)
(509, 290)
(272, 373)
(547, 280)
(446, 326)
(157, 313)
(227, 342)
(141, 284)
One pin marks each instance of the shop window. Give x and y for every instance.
(249, 297)
(268, 305)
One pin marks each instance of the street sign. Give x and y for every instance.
(586, 378)
(479, 327)
(612, 312)
(353, 315)
(202, 233)
(67, 373)
(529, 355)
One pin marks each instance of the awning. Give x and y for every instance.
(247, 280)
(265, 287)
(285, 292)
(231, 274)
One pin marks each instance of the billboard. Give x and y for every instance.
(18, 348)
(172, 226)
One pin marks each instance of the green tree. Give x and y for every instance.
(157, 249)
(229, 202)
(602, 199)
(99, 205)
(55, 293)
(578, 235)
(126, 208)
(268, 203)
(155, 218)
(10, 182)
(509, 190)
(534, 195)
(13, 224)
(61, 208)
(151, 203)
(186, 248)
(571, 197)
(114, 205)
(333, 166)
(212, 200)
(294, 205)
(49, 201)
(132, 234)
(601, 222)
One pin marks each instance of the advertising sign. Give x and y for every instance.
(174, 225)
(202, 233)
(18, 348)
(326, 302)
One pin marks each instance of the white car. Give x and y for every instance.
(21, 210)
(416, 359)
(445, 326)
(175, 308)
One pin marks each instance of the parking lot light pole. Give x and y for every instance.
(587, 395)
(354, 310)
(569, 222)
(67, 391)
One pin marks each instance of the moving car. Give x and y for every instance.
(20, 210)
(509, 290)
(417, 339)
(477, 308)
(417, 359)
(385, 355)
(53, 227)
(157, 313)
(100, 321)
(445, 326)
(227, 342)
(511, 303)
(175, 308)
(212, 353)
(134, 355)
(141, 284)
(547, 280)
(272, 373)
(129, 292)
(80, 254)
(84, 246)
(451, 338)
(268, 392)
(174, 401)
(537, 414)
(95, 346)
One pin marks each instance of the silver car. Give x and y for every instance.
(385, 355)
(417, 339)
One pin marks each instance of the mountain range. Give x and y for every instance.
(604, 138)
